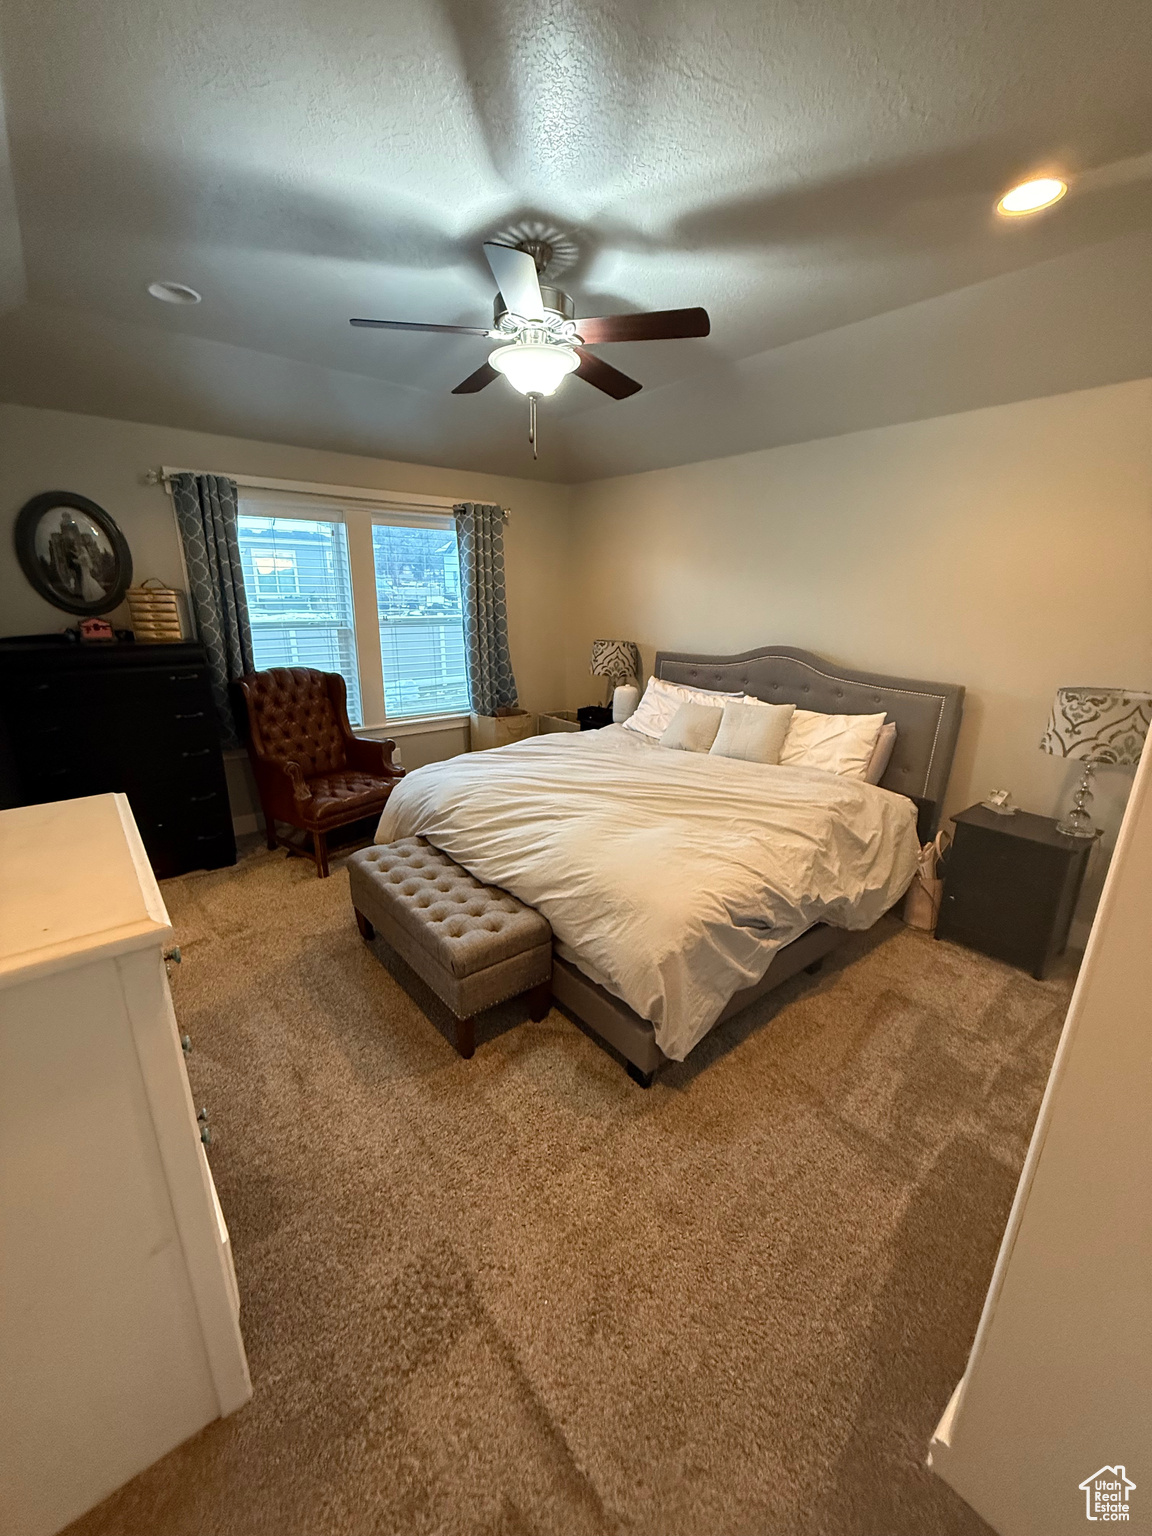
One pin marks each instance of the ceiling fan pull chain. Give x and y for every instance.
(532, 423)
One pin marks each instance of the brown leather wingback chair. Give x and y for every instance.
(310, 770)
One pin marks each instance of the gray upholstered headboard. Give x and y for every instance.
(926, 715)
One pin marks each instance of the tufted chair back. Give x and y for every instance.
(298, 715)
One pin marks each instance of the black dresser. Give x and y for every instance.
(85, 719)
(1011, 887)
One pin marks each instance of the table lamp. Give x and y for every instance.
(1096, 725)
(618, 660)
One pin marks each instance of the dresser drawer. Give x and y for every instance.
(182, 822)
(37, 695)
(208, 803)
(225, 1239)
(182, 688)
(186, 831)
(190, 759)
(55, 779)
(43, 717)
(209, 849)
(124, 714)
(174, 846)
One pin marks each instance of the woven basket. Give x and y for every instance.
(155, 613)
(500, 729)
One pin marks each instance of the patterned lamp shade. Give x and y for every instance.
(1101, 725)
(619, 659)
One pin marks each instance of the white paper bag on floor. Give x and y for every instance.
(922, 903)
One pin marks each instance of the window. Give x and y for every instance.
(299, 590)
(421, 622)
(364, 590)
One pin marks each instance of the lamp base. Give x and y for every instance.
(1077, 822)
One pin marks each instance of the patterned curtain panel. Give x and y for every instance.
(480, 535)
(206, 515)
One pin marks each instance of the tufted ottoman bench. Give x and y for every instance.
(473, 944)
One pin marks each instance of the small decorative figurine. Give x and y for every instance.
(95, 629)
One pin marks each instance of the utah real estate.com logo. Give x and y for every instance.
(1106, 1494)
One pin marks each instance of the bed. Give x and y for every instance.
(681, 886)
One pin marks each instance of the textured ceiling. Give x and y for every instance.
(795, 168)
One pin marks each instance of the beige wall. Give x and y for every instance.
(106, 460)
(1008, 549)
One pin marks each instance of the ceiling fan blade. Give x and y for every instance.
(417, 325)
(594, 370)
(517, 279)
(476, 381)
(656, 325)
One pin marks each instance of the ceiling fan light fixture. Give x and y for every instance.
(534, 368)
(1031, 196)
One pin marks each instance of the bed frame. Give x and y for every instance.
(927, 719)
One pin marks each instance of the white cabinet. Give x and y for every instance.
(119, 1314)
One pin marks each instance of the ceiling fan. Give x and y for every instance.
(541, 341)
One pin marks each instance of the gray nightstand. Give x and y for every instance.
(1012, 886)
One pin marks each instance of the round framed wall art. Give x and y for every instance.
(73, 553)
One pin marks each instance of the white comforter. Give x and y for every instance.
(671, 878)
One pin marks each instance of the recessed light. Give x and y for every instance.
(174, 293)
(1031, 196)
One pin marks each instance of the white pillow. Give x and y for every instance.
(841, 744)
(753, 734)
(881, 754)
(693, 727)
(661, 700)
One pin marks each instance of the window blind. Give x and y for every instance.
(299, 590)
(421, 621)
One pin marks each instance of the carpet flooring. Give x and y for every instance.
(521, 1295)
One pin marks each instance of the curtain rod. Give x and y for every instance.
(163, 476)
